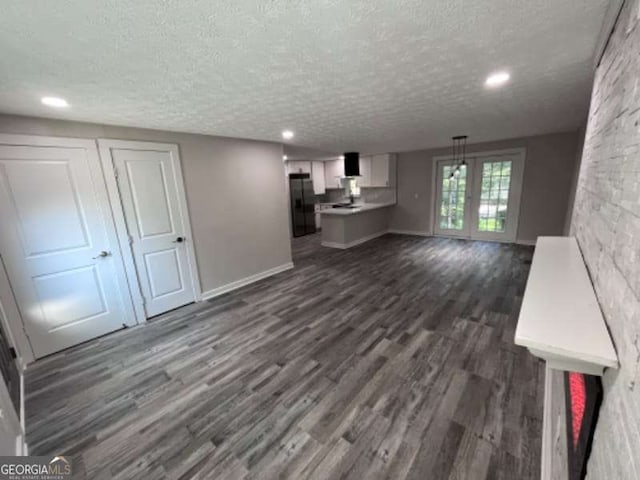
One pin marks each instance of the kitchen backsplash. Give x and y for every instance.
(368, 194)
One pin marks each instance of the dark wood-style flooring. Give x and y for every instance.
(394, 359)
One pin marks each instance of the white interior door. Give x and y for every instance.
(482, 201)
(150, 186)
(59, 244)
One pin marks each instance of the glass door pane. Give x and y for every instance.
(495, 201)
(481, 201)
(452, 208)
(494, 196)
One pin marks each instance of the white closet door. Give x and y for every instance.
(150, 185)
(59, 244)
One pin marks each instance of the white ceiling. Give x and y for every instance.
(368, 75)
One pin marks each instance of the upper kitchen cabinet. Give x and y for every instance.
(299, 166)
(383, 171)
(365, 171)
(375, 171)
(317, 175)
(314, 168)
(333, 172)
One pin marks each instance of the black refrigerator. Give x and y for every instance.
(302, 204)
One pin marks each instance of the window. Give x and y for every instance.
(352, 187)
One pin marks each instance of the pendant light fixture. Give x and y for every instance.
(459, 148)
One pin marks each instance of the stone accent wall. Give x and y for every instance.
(606, 221)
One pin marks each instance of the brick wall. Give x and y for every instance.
(606, 221)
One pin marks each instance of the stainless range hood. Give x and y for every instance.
(351, 164)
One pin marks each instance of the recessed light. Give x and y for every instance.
(497, 79)
(55, 102)
(287, 134)
(284, 157)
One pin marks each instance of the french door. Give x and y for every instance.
(482, 199)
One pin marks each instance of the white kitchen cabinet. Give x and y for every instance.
(298, 166)
(317, 175)
(383, 170)
(375, 171)
(379, 171)
(365, 171)
(333, 172)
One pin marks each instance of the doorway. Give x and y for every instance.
(482, 199)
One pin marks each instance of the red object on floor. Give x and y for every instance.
(578, 395)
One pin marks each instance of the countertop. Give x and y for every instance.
(560, 319)
(365, 207)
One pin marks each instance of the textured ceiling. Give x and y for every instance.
(371, 75)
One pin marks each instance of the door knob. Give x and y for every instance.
(102, 254)
(179, 240)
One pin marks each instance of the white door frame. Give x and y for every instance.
(105, 145)
(12, 321)
(16, 338)
(16, 324)
(11, 422)
(517, 181)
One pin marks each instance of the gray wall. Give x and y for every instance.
(606, 221)
(549, 169)
(235, 190)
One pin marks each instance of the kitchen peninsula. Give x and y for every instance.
(348, 226)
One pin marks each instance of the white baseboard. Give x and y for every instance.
(411, 232)
(344, 246)
(245, 281)
(531, 243)
(333, 245)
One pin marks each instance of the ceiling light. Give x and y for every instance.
(497, 79)
(55, 102)
(284, 157)
(341, 157)
(287, 134)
